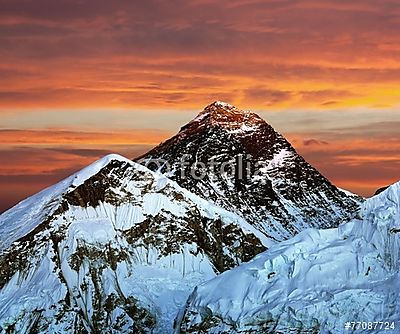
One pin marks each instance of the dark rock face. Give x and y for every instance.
(276, 190)
(225, 245)
(378, 191)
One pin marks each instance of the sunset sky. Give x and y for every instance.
(80, 79)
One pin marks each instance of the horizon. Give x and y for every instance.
(79, 80)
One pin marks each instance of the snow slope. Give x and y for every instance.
(312, 283)
(26, 215)
(114, 246)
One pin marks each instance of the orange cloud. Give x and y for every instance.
(25, 170)
(361, 165)
(151, 54)
(69, 137)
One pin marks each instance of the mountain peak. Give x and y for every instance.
(220, 105)
(217, 109)
(245, 166)
(225, 115)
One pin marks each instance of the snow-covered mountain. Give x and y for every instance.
(114, 246)
(120, 246)
(263, 179)
(312, 283)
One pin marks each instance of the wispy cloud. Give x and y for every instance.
(159, 54)
(64, 137)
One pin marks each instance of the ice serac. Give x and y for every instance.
(114, 246)
(264, 180)
(312, 283)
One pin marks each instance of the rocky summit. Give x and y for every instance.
(237, 160)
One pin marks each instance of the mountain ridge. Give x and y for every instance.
(118, 245)
(107, 246)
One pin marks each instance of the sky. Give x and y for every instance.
(80, 79)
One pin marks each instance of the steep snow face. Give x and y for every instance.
(277, 191)
(26, 215)
(114, 246)
(313, 283)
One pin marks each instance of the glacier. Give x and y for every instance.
(313, 283)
